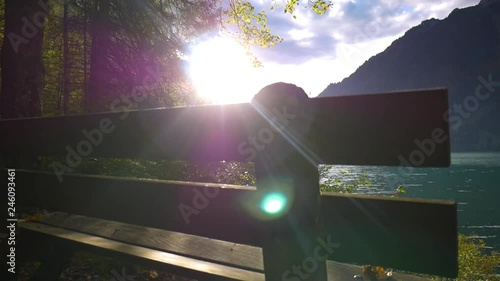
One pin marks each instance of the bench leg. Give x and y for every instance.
(54, 262)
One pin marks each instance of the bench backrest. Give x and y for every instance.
(378, 129)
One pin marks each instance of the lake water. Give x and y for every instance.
(472, 180)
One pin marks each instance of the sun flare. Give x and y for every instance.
(221, 71)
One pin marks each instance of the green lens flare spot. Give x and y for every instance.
(273, 203)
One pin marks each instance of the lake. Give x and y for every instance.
(473, 180)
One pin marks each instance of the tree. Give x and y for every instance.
(251, 25)
(99, 74)
(133, 39)
(21, 54)
(122, 39)
(474, 261)
(66, 78)
(65, 50)
(2, 21)
(129, 37)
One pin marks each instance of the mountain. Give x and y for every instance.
(461, 53)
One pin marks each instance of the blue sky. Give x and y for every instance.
(318, 50)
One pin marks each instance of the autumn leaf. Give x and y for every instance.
(35, 217)
(153, 274)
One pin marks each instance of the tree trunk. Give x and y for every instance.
(66, 60)
(85, 62)
(21, 58)
(98, 58)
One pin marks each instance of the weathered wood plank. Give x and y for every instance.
(378, 129)
(345, 272)
(336, 271)
(410, 234)
(370, 229)
(158, 259)
(160, 203)
(222, 252)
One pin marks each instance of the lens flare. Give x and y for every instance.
(273, 203)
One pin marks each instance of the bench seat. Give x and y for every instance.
(168, 250)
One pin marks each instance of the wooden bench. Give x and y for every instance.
(224, 232)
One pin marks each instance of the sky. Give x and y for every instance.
(319, 50)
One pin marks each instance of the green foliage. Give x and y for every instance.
(139, 34)
(474, 262)
(251, 25)
(399, 190)
(53, 62)
(252, 28)
(222, 172)
(124, 167)
(290, 7)
(320, 6)
(340, 185)
(142, 37)
(216, 172)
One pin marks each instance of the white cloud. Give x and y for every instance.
(300, 34)
(314, 52)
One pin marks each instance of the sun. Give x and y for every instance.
(221, 71)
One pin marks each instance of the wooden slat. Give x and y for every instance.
(359, 130)
(378, 129)
(251, 255)
(151, 203)
(171, 262)
(222, 252)
(345, 272)
(410, 234)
